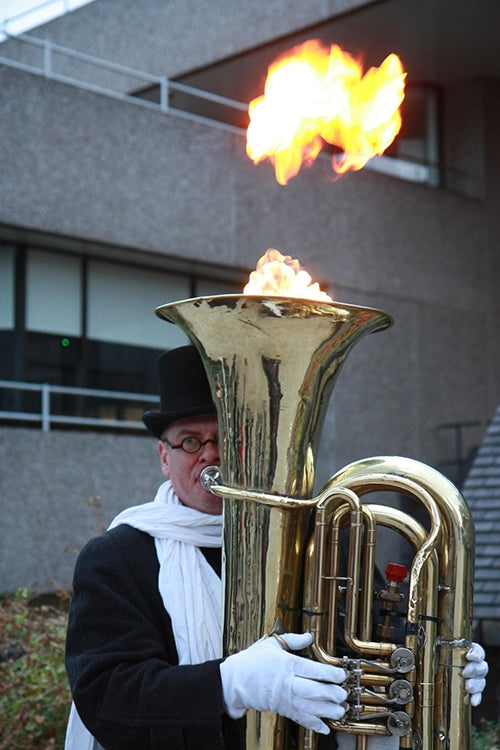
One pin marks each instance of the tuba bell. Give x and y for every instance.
(294, 561)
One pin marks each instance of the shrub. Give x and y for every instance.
(34, 692)
(487, 736)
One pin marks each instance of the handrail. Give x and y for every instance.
(46, 417)
(46, 69)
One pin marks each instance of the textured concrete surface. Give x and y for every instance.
(58, 490)
(107, 174)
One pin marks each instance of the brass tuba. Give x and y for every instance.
(272, 363)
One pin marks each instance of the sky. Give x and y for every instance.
(25, 14)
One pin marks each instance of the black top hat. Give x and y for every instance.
(184, 389)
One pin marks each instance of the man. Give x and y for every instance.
(143, 643)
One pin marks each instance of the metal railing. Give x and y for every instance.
(46, 416)
(45, 67)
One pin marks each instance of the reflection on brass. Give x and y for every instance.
(272, 363)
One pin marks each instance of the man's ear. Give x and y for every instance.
(162, 450)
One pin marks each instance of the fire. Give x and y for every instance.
(315, 95)
(280, 275)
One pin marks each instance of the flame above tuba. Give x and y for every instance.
(272, 363)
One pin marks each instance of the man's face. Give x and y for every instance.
(184, 469)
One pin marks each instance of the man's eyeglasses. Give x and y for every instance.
(190, 444)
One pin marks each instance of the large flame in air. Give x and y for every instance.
(280, 275)
(314, 95)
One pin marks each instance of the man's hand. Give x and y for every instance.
(266, 677)
(474, 673)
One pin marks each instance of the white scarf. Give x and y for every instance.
(189, 587)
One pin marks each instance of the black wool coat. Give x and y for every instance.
(121, 657)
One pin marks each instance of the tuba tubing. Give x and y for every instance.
(439, 610)
(434, 648)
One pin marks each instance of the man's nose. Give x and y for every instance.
(210, 450)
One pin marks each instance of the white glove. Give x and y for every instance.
(268, 678)
(475, 672)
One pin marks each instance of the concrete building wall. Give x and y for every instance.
(60, 489)
(80, 165)
(169, 38)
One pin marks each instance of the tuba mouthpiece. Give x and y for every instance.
(210, 477)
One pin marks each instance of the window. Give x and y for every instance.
(7, 288)
(53, 293)
(121, 302)
(417, 147)
(72, 320)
